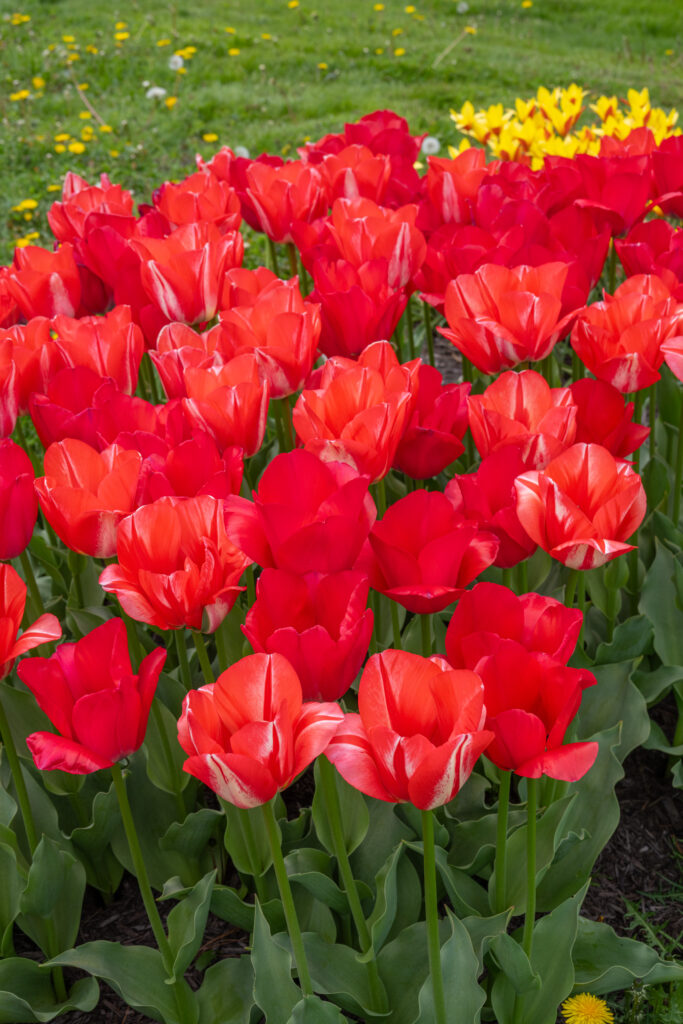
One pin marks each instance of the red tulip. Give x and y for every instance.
(490, 613)
(583, 507)
(354, 172)
(68, 218)
(418, 734)
(523, 410)
(199, 197)
(432, 438)
(176, 566)
(12, 604)
(452, 185)
(36, 356)
(111, 345)
(426, 553)
(188, 469)
(18, 502)
(530, 701)
(363, 231)
(358, 412)
(499, 317)
(307, 515)
(45, 283)
(85, 494)
(9, 311)
(652, 247)
(603, 417)
(91, 696)
(673, 354)
(280, 196)
(249, 734)
(9, 390)
(321, 624)
(229, 403)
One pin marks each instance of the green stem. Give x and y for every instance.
(426, 630)
(31, 583)
(432, 915)
(395, 625)
(134, 646)
(381, 496)
(427, 317)
(35, 461)
(652, 409)
(523, 577)
(501, 840)
(172, 770)
(507, 578)
(286, 412)
(203, 656)
(570, 587)
(271, 257)
(409, 325)
(250, 843)
(398, 335)
(577, 367)
(19, 783)
(329, 790)
(183, 660)
(530, 914)
(222, 648)
(612, 595)
(612, 267)
(287, 899)
(291, 256)
(678, 480)
(638, 400)
(251, 585)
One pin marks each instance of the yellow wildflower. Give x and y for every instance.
(85, 115)
(233, 51)
(91, 49)
(38, 82)
(586, 1009)
(60, 148)
(163, 42)
(68, 39)
(379, 50)
(397, 31)
(292, 4)
(120, 36)
(23, 94)
(113, 153)
(378, 7)
(19, 19)
(106, 128)
(322, 65)
(171, 101)
(266, 35)
(410, 9)
(82, 86)
(76, 147)
(399, 52)
(210, 137)
(471, 30)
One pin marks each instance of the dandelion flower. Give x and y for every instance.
(171, 101)
(586, 1009)
(163, 42)
(399, 52)
(76, 147)
(106, 128)
(121, 24)
(68, 39)
(85, 115)
(210, 137)
(471, 30)
(410, 9)
(120, 36)
(233, 51)
(430, 145)
(322, 65)
(175, 62)
(23, 94)
(155, 92)
(292, 4)
(38, 82)
(378, 7)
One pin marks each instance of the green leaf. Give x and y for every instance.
(659, 602)
(186, 924)
(514, 963)
(313, 869)
(26, 993)
(92, 842)
(24, 716)
(227, 992)
(616, 699)
(169, 777)
(13, 884)
(606, 962)
(655, 479)
(385, 833)
(460, 967)
(386, 901)
(193, 836)
(632, 639)
(228, 905)
(482, 931)
(653, 683)
(473, 843)
(403, 966)
(354, 814)
(274, 991)
(136, 973)
(551, 960)
(311, 1010)
(51, 902)
(245, 833)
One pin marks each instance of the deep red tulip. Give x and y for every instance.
(18, 502)
(9, 311)
(321, 624)
(603, 417)
(521, 409)
(90, 694)
(490, 613)
(188, 469)
(363, 231)
(673, 354)
(489, 499)
(530, 702)
(426, 553)
(68, 218)
(418, 734)
(249, 734)
(432, 437)
(667, 164)
(452, 185)
(616, 192)
(12, 605)
(176, 566)
(9, 390)
(111, 345)
(652, 247)
(307, 515)
(229, 403)
(619, 340)
(35, 354)
(583, 507)
(356, 172)
(85, 494)
(358, 411)
(499, 317)
(199, 197)
(280, 196)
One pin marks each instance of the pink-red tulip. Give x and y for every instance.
(18, 502)
(432, 438)
(90, 694)
(249, 734)
(418, 733)
(12, 605)
(603, 417)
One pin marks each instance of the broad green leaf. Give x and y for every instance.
(313, 870)
(653, 683)
(274, 991)
(193, 837)
(313, 915)
(353, 809)
(658, 601)
(482, 932)
(51, 902)
(615, 699)
(460, 967)
(136, 973)
(551, 960)
(655, 479)
(386, 901)
(606, 962)
(246, 836)
(24, 716)
(473, 843)
(469, 801)
(228, 905)
(631, 640)
(27, 995)
(311, 1010)
(227, 992)
(514, 963)
(92, 842)
(11, 888)
(403, 966)
(186, 924)
(165, 756)
(384, 834)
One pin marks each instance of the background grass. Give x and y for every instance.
(300, 71)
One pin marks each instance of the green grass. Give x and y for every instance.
(272, 95)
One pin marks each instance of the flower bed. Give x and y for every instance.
(452, 603)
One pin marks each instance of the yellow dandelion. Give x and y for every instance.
(91, 49)
(105, 128)
(527, 3)
(82, 86)
(586, 1009)
(68, 39)
(71, 57)
(397, 31)
(85, 115)
(322, 65)
(121, 24)
(28, 215)
(230, 30)
(114, 153)
(60, 147)
(54, 188)
(72, 46)
(668, 53)
(210, 137)
(62, 137)
(292, 4)
(379, 50)
(399, 52)
(171, 101)
(38, 82)
(76, 147)
(23, 94)
(410, 9)
(19, 19)
(266, 35)
(163, 42)
(233, 51)
(378, 7)
(471, 30)
(120, 36)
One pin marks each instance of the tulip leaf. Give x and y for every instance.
(460, 968)
(465, 894)
(385, 833)
(13, 884)
(591, 819)
(355, 817)
(655, 477)
(615, 699)
(514, 963)
(274, 991)
(337, 972)
(386, 901)
(669, 398)
(551, 961)
(473, 843)
(653, 683)
(186, 923)
(48, 559)
(136, 974)
(658, 600)
(606, 962)
(403, 966)
(666, 531)
(24, 717)
(193, 837)
(227, 904)
(51, 902)
(165, 756)
(482, 932)
(27, 995)
(227, 992)
(92, 842)
(311, 1010)
(632, 639)
(246, 836)
(42, 807)
(657, 740)
(312, 869)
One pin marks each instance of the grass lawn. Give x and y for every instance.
(269, 74)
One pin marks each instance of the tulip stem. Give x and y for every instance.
(250, 844)
(612, 267)
(429, 332)
(501, 840)
(570, 587)
(530, 915)
(287, 899)
(271, 256)
(284, 414)
(395, 625)
(203, 656)
(19, 783)
(577, 368)
(432, 915)
(222, 648)
(183, 662)
(652, 408)
(638, 400)
(507, 578)
(251, 585)
(381, 496)
(426, 630)
(409, 325)
(172, 770)
(329, 789)
(678, 479)
(32, 583)
(291, 256)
